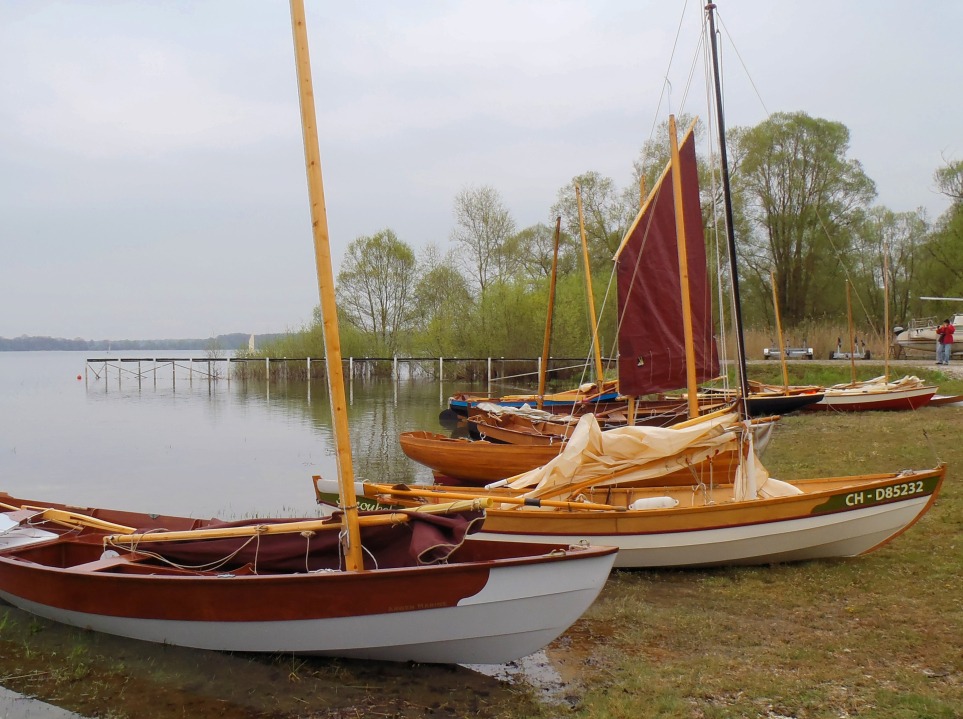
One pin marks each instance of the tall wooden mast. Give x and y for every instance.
(690, 362)
(782, 353)
(600, 374)
(546, 345)
(351, 538)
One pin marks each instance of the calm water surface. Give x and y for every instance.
(227, 448)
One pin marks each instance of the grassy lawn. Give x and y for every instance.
(876, 636)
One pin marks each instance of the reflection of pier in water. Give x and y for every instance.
(213, 369)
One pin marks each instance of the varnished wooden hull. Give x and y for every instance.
(868, 400)
(474, 462)
(485, 605)
(835, 517)
(477, 463)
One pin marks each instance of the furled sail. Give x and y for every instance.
(651, 341)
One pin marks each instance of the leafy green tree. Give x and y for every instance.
(941, 273)
(607, 214)
(534, 248)
(901, 237)
(446, 310)
(949, 179)
(803, 201)
(375, 287)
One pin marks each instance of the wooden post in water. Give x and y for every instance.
(351, 537)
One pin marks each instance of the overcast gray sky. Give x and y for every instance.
(151, 169)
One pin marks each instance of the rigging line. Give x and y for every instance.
(735, 49)
(675, 45)
(822, 224)
(723, 268)
(692, 70)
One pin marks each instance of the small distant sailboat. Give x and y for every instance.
(880, 393)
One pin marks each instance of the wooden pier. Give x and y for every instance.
(216, 369)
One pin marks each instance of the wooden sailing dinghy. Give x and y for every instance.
(880, 393)
(429, 594)
(581, 496)
(367, 586)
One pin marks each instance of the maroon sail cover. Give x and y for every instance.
(651, 339)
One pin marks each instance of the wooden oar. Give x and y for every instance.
(251, 530)
(75, 519)
(409, 491)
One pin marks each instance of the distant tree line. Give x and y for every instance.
(234, 341)
(804, 213)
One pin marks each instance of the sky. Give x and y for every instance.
(152, 179)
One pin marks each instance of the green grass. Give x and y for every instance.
(875, 636)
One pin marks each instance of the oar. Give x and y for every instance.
(522, 501)
(250, 530)
(75, 519)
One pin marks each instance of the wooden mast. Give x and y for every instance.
(886, 331)
(351, 537)
(782, 353)
(546, 345)
(591, 296)
(852, 338)
(680, 238)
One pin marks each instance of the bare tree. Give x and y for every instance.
(376, 285)
(483, 227)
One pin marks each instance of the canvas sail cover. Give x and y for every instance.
(621, 455)
(626, 455)
(651, 341)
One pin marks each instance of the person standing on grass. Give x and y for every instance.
(944, 338)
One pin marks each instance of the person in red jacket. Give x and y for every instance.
(944, 339)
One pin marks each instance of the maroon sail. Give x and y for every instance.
(651, 341)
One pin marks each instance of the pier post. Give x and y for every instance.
(441, 368)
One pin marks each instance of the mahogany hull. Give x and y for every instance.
(485, 605)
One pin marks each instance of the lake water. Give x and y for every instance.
(176, 445)
(93, 436)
